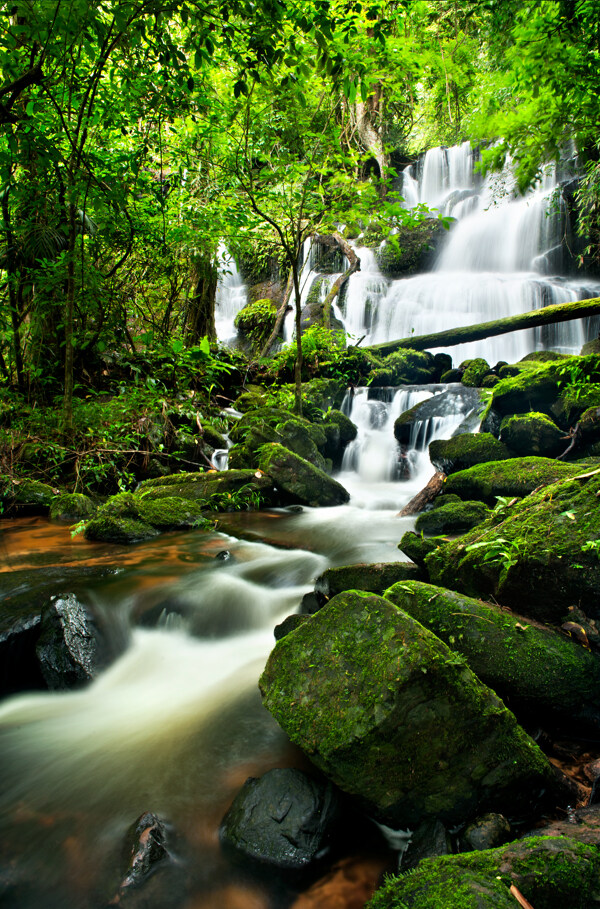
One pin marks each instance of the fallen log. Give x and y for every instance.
(424, 497)
(559, 312)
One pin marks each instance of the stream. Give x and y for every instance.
(175, 724)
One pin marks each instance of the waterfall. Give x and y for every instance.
(496, 261)
(231, 296)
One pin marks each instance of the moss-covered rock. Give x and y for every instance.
(339, 431)
(212, 437)
(272, 424)
(411, 425)
(300, 480)
(533, 434)
(417, 547)
(572, 402)
(550, 872)
(404, 367)
(391, 715)
(410, 250)
(374, 577)
(255, 322)
(534, 669)
(475, 371)
(129, 518)
(466, 450)
(452, 518)
(25, 496)
(71, 507)
(538, 557)
(538, 385)
(205, 487)
(514, 477)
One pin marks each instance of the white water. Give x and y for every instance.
(231, 297)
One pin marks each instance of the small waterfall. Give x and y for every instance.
(231, 296)
(498, 260)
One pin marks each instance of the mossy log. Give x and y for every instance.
(549, 315)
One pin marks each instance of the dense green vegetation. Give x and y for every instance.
(137, 135)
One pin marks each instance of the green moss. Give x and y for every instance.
(475, 372)
(452, 518)
(374, 577)
(256, 321)
(404, 367)
(71, 507)
(513, 477)
(25, 496)
(537, 669)
(466, 450)
(300, 479)
(409, 250)
(533, 434)
(417, 548)
(550, 872)
(127, 518)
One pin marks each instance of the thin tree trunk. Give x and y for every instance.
(280, 315)
(350, 254)
(15, 316)
(549, 315)
(298, 321)
(69, 318)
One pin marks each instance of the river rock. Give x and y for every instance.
(429, 839)
(457, 399)
(540, 557)
(465, 450)
(456, 517)
(299, 480)
(25, 497)
(533, 434)
(271, 424)
(404, 367)
(515, 477)
(533, 668)
(202, 486)
(549, 872)
(131, 518)
(486, 832)
(374, 577)
(19, 666)
(475, 372)
(284, 819)
(70, 647)
(71, 507)
(152, 875)
(392, 716)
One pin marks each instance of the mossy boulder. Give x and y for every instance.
(339, 431)
(513, 477)
(394, 717)
(410, 250)
(534, 669)
(319, 394)
(129, 518)
(404, 367)
(71, 507)
(205, 487)
(300, 480)
(417, 547)
(255, 322)
(465, 450)
(374, 577)
(550, 872)
(212, 437)
(538, 557)
(533, 434)
(273, 424)
(534, 388)
(573, 402)
(475, 371)
(25, 496)
(452, 518)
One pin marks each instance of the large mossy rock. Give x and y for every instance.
(550, 872)
(129, 518)
(455, 517)
(465, 450)
(513, 477)
(285, 819)
(71, 507)
(397, 719)
(202, 486)
(255, 322)
(533, 434)
(299, 480)
(25, 497)
(539, 557)
(273, 424)
(374, 577)
(404, 367)
(534, 669)
(475, 372)
(411, 250)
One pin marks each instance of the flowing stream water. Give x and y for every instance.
(175, 724)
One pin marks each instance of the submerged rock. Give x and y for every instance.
(429, 839)
(533, 668)
(389, 713)
(550, 872)
(284, 819)
(300, 480)
(538, 557)
(146, 851)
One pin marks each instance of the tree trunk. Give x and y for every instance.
(559, 312)
(201, 311)
(298, 322)
(280, 316)
(69, 318)
(336, 239)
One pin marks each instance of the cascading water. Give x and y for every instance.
(493, 263)
(231, 296)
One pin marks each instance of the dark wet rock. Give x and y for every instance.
(539, 557)
(374, 577)
(474, 372)
(591, 347)
(19, 667)
(487, 832)
(442, 364)
(339, 430)
(285, 819)
(533, 434)
(429, 839)
(395, 718)
(70, 648)
(452, 375)
(466, 450)
(299, 479)
(311, 603)
(534, 669)
(409, 427)
(71, 507)
(290, 623)
(550, 872)
(146, 850)
(582, 824)
(452, 518)
(514, 477)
